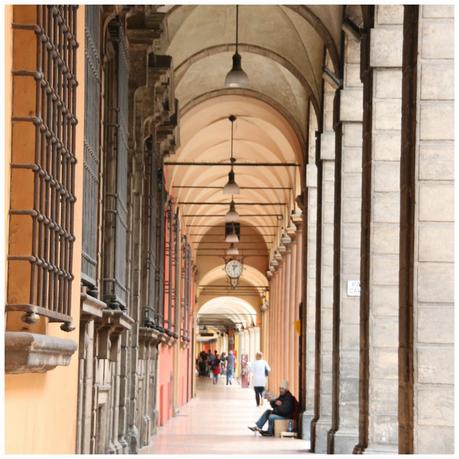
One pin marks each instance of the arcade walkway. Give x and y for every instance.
(215, 422)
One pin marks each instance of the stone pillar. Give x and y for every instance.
(278, 328)
(351, 110)
(433, 266)
(275, 335)
(386, 40)
(327, 156)
(285, 319)
(294, 276)
(246, 341)
(310, 279)
(252, 349)
(257, 338)
(298, 270)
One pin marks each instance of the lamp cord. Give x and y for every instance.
(237, 21)
(232, 125)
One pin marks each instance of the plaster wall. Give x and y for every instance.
(43, 407)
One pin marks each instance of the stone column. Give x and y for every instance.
(386, 40)
(327, 156)
(433, 267)
(351, 110)
(274, 335)
(278, 327)
(252, 349)
(257, 339)
(285, 319)
(275, 332)
(310, 279)
(245, 335)
(299, 292)
(294, 276)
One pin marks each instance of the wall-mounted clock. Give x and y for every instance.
(233, 269)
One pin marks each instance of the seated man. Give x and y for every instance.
(283, 408)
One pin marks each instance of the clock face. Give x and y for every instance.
(233, 268)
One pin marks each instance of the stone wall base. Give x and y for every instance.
(322, 428)
(345, 440)
(306, 419)
(381, 449)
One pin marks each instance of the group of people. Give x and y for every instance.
(284, 406)
(212, 363)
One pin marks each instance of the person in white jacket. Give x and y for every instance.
(259, 370)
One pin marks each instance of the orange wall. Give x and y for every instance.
(165, 370)
(41, 409)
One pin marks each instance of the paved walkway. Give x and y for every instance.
(215, 422)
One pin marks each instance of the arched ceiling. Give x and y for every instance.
(261, 135)
(283, 50)
(235, 311)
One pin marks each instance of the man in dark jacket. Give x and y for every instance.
(283, 408)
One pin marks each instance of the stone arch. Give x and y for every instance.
(246, 47)
(312, 19)
(254, 95)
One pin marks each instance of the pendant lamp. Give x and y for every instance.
(232, 216)
(231, 186)
(236, 77)
(232, 250)
(232, 236)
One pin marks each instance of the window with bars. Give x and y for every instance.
(92, 125)
(154, 240)
(43, 161)
(171, 262)
(186, 279)
(115, 153)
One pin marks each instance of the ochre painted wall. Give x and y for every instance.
(165, 369)
(41, 409)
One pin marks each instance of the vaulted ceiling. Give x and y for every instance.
(283, 51)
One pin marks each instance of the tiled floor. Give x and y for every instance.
(215, 422)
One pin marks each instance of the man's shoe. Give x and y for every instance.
(254, 429)
(265, 433)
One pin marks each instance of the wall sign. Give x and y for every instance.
(353, 288)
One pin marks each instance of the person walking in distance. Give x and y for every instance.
(215, 368)
(230, 359)
(259, 370)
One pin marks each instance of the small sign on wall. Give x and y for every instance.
(353, 288)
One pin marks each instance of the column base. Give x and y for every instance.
(306, 419)
(133, 439)
(345, 441)
(376, 448)
(322, 427)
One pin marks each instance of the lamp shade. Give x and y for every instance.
(233, 250)
(236, 77)
(232, 216)
(231, 187)
(231, 237)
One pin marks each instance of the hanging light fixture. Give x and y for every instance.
(236, 77)
(232, 235)
(231, 187)
(232, 216)
(232, 250)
